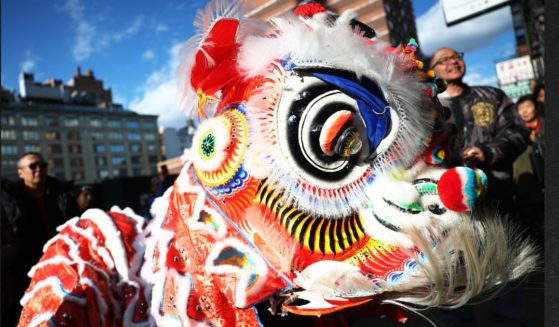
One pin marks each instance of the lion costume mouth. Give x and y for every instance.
(386, 224)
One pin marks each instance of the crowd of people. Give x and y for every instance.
(500, 137)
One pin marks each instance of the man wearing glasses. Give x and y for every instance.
(491, 141)
(31, 209)
(485, 125)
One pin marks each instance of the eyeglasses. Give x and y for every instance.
(34, 165)
(446, 60)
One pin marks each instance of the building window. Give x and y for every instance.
(136, 160)
(132, 124)
(117, 147)
(101, 161)
(30, 135)
(103, 173)
(136, 171)
(148, 124)
(56, 163)
(133, 136)
(113, 123)
(96, 136)
(54, 149)
(74, 149)
(52, 136)
(8, 120)
(118, 161)
(29, 121)
(9, 163)
(95, 122)
(71, 122)
(135, 148)
(115, 136)
(78, 176)
(122, 172)
(99, 148)
(153, 159)
(151, 147)
(9, 149)
(31, 148)
(76, 162)
(60, 175)
(73, 136)
(8, 134)
(149, 137)
(50, 121)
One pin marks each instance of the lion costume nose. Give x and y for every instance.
(338, 136)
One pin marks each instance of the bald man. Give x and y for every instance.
(491, 141)
(30, 209)
(484, 117)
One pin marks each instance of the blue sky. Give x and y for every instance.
(133, 44)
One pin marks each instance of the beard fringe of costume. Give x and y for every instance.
(470, 261)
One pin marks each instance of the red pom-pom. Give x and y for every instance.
(461, 187)
(308, 9)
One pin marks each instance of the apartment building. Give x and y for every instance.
(82, 133)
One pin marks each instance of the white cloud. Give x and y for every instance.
(466, 36)
(85, 34)
(88, 37)
(127, 32)
(475, 76)
(148, 54)
(509, 50)
(118, 98)
(161, 28)
(159, 93)
(29, 62)
(27, 65)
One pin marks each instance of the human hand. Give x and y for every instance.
(473, 156)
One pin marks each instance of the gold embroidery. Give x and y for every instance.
(483, 112)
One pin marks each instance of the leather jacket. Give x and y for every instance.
(24, 234)
(485, 117)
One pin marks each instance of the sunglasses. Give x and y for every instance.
(446, 60)
(34, 165)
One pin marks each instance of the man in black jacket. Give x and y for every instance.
(491, 141)
(486, 126)
(31, 209)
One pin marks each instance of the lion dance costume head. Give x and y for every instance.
(316, 180)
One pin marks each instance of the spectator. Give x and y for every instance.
(539, 96)
(529, 168)
(165, 180)
(490, 140)
(153, 190)
(30, 209)
(86, 199)
(486, 126)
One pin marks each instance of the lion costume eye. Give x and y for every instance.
(322, 128)
(315, 123)
(219, 146)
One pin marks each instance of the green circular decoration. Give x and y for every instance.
(207, 145)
